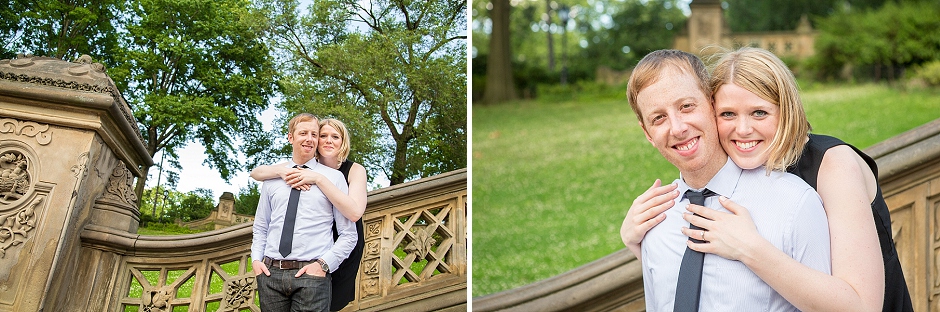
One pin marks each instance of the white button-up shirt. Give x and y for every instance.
(786, 211)
(313, 227)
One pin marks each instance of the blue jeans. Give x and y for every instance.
(283, 292)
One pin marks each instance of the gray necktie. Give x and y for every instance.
(689, 288)
(287, 235)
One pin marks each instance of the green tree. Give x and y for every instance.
(10, 27)
(637, 28)
(762, 15)
(61, 28)
(394, 71)
(157, 202)
(246, 202)
(884, 41)
(196, 70)
(194, 205)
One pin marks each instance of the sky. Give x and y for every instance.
(195, 174)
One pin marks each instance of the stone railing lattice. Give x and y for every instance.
(414, 257)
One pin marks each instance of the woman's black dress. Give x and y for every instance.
(344, 278)
(897, 296)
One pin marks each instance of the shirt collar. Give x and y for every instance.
(723, 183)
(310, 163)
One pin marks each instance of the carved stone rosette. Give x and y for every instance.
(159, 293)
(15, 177)
(239, 294)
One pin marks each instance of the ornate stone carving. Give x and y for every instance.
(373, 229)
(421, 244)
(935, 245)
(26, 128)
(120, 186)
(239, 293)
(157, 300)
(704, 27)
(371, 248)
(370, 287)
(84, 66)
(28, 60)
(78, 170)
(370, 267)
(15, 227)
(14, 176)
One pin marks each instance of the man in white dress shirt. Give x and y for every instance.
(667, 93)
(292, 247)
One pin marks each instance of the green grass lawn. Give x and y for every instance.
(552, 179)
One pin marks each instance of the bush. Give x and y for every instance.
(247, 200)
(582, 91)
(929, 73)
(168, 229)
(879, 44)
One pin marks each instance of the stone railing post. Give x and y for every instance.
(69, 152)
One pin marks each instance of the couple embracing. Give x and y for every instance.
(765, 216)
(307, 236)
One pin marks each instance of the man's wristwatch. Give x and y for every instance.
(323, 265)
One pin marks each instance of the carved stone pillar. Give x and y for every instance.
(705, 26)
(226, 208)
(69, 152)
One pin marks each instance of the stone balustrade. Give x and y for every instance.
(414, 258)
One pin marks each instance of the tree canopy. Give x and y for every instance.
(393, 71)
(614, 34)
(886, 40)
(195, 70)
(761, 15)
(61, 28)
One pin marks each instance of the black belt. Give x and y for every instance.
(285, 264)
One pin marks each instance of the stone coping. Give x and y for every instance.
(905, 151)
(570, 289)
(82, 84)
(126, 243)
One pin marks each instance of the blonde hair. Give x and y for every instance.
(651, 67)
(343, 150)
(765, 75)
(302, 117)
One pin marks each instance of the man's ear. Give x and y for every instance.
(290, 136)
(648, 137)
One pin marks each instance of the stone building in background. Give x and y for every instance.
(706, 31)
(222, 216)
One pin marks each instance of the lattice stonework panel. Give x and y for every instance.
(159, 289)
(231, 286)
(424, 239)
(211, 284)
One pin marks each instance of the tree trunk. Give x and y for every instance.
(400, 163)
(551, 45)
(499, 84)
